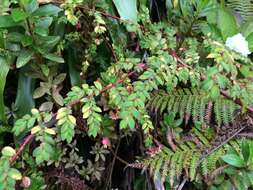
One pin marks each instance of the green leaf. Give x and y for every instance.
(35, 129)
(239, 183)
(58, 98)
(131, 122)
(73, 61)
(45, 69)
(3, 74)
(246, 28)
(53, 57)
(24, 99)
(226, 23)
(50, 131)
(98, 85)
(207, 84)
(14, 174)
(47, 10)
(233, 160)
(250, 41)
(39, 92)
(86, 110)
(19, 126)
(4, 6)
(48, 42)
(18, 15)
(215, 92)
(44, 22)
(24, 57)
(245, 150)
(26, 40)
(41, 31)
(127, 11)
(8, 151)
(30, 5)
(59, 79)
(7, 21)
(246, 70)
(46, 106)
(43, 152)
(67, 132)
(123, 124)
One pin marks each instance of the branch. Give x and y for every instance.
(27, 140)
(182, 184)
(202, 77)
(53, 121)
(237, 101)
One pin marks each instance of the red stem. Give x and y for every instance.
(108, 87)
(28, 139)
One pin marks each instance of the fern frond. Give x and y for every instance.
(194, 165)
(243, 7)
(185, 160)
(194, 103)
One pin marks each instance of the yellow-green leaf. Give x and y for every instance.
(35, 129)
(50, 131)
(15, 174)
(8, 151)
(72, 119)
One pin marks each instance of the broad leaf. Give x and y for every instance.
(41, 31)
(3, 74)
(233, 160)
(15, 174)
(31, 5)
(127, 11)
(247, 28)
(53, 57)
(72, 61)
(24, 100)
(7, 21)
(4, 6)
(245, 150)
(8, 151)
(250, 41)
(47, 10)
(24, 57)
(18, 15)
(226, 23)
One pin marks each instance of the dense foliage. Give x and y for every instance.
(101, 94)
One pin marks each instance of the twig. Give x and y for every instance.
(27, 140)
(248, 135)
(237, 101)
(202, 77)
(111, 170)
(108, 87)
(169, 136)
(111, 16)
(118, 158)
(218, 171)
(112, 50)
(53, 121)
(182, 184)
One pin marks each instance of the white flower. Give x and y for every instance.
(239, 44)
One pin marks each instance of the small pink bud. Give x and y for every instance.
(106, 141)
(141, 65)
(25, 182)
(78, 25)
